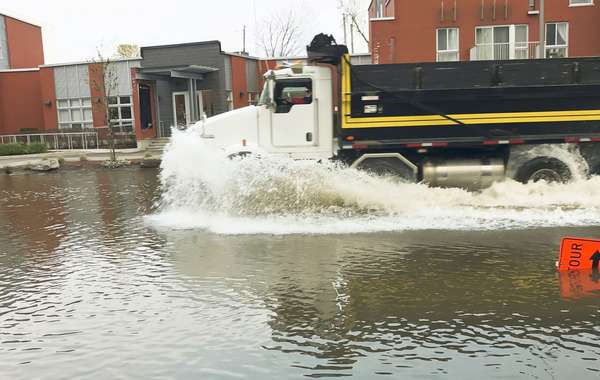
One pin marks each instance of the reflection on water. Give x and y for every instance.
(88, 290)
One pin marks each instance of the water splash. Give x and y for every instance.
(276, 195)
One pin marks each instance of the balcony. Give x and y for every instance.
(505, 51)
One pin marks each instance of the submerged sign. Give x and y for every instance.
(577, 254)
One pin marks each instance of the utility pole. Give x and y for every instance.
(345, 31)
(542, 30)
(244, 43)
(352, 38)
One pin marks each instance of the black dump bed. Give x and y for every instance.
(525, 100)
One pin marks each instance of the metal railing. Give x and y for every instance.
(89, 139)
(506, 51)
(56, 141)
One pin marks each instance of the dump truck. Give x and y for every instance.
(463, 124)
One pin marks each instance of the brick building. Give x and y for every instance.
(452, 30)
(169, 85)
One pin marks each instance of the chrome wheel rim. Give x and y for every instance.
(547, 175)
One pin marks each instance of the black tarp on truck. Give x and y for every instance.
(535, 101)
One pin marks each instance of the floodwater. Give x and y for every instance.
(98, 282)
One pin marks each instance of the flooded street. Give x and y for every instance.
(89, 288)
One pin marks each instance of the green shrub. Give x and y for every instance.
(18, 149)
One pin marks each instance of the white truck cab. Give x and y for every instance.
(294, 117)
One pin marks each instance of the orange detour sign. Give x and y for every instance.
(577, 254)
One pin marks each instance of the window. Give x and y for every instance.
(229, 100)
(492, 42)
(557, 37)
(381, 9)
(265, 95)
(74, 113)
(501, 43)
(253, 98)
(531, 4)
(290, 93)
(447, 45)
(580, 2)
(522, 42)
(119, 108)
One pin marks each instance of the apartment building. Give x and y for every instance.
(452, 30)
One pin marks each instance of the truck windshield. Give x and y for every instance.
(265, 97)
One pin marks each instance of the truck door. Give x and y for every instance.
(294, 121)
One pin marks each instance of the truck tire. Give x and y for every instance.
(388, 167)
(548, 169)
(595, 170)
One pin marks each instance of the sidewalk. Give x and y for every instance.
(95, 155)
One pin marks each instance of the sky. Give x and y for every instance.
(74, 30)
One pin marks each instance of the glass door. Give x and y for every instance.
(181, 109)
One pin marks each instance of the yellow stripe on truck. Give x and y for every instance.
(470, 119)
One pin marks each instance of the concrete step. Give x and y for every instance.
(158, 143)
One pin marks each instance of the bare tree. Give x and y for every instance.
(355, 12)
(127, 51)
(105, 84)
(280, 34)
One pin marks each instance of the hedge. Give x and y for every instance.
(17, 149)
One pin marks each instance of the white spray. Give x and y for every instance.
(276, 195)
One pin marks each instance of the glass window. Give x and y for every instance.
(114, 114)
(229, 100)
(126, 112)
(290, 93)
(74, 113)
(498, 42)
(557, 39)
(64, 115)
(265, 96)
(581, 2)
(120, 112)
(447, 45)
(379, 8)
(522, 42)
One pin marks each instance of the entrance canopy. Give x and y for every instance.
(183, 72)
(179, 84)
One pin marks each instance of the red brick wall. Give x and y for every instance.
(411, 36)
(20, 102)
(239, 84)
(96, 75)
(48, 98)
(25, 47)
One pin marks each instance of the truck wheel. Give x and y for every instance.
(595, 170)
(387, 166)
(548, 169)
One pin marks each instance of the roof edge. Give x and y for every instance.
(88, 62)
(20, 70)
(184, 44)
(20, 20)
